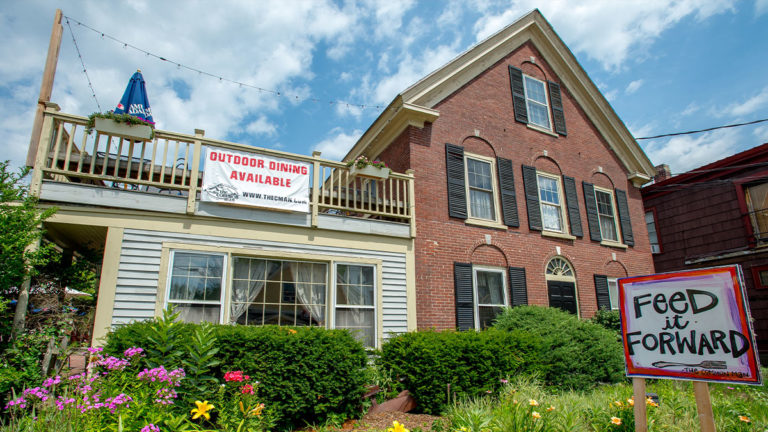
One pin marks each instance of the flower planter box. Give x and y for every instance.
(369, 171)
(131, 131)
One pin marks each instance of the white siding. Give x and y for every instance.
(137, 277)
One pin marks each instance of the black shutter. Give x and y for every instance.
(572, 201)
(557, 108)
(508, 198)
(591, 205)
(457, 192)
(518, 94)
(517, 286)
(626, 223)
(530, 184)
(465, 310)
(601, 290)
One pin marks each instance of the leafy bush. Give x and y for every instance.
(609, 319)
(305, 374)
(574, 353)
(473, 363)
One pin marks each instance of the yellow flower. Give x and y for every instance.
(463, 429)
(532, 402)
(291, 331)
(535, 415)
(397, 427)
(745, 419)
(257, 411)
(618, 403)
(631, 401)
(201, 410)
(551, 408)
(616, 420)
(650, 402)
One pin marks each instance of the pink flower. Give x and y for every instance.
(130, 352)
(247, 389)
(150, 428)
(236, 376)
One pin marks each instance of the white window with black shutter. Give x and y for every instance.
(604, 218)
(481, 189)
(607, 292)
(552, 203)
(532, 100)
(482, 293)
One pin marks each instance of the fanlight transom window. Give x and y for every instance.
(559, 267)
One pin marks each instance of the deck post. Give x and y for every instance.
(36, 182)
(46, 86)
(411, 202)
(315, 186)
(195, 174)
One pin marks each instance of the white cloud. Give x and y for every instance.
(749, 106)
(641, 130)
(608, 31)
(261, 126)
(611, 95)
(761, 7)
(761, 132)
(410, 70)
(337, 145)
(634, 86)
(691, 109)
(683, 153)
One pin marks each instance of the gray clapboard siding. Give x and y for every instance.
(139, 268)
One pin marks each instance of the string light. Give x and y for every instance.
(82, 62)
(179, 65)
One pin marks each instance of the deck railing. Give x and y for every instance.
(171, 163)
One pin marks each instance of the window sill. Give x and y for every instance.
(542, 130)
(485, 223)
(613, 244)
(557, 235)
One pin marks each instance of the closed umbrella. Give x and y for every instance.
(135, 101)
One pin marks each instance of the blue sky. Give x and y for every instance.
(665, 66)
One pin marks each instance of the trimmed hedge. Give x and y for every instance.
(575, 354)
(307, 374)
(471, 362)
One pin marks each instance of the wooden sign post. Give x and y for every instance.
(691, 325)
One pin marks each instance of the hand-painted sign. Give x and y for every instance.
(240, 178)
(691, 325)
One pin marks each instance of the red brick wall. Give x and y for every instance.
(485, 105)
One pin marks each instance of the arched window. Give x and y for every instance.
(559, 268)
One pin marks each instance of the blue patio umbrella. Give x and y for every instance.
(134, 101)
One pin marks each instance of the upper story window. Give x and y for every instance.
(536, 102)
(606, 214)
(757, 206)
(481, 191)
(650, 223)
(551, 202)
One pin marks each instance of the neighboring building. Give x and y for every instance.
(716, 215)
(345, 261)
(527, 182)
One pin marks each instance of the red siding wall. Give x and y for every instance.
(485, 105)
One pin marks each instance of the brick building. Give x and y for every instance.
(716, 215)
(526, 181)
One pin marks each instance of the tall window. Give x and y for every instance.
(650, 223)
(536, 101)
(196, 286)
(606, 213)
(551, 202)
(278, 292)
(757, 206)
(356, 301)
(480, 184)
(613, 292)
(490, 295)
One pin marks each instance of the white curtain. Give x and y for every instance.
(309, 297)
(242, 298)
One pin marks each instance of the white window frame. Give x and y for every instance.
(223, 296)
(560, 206)
(332, 300)
(475, 302)
(529, 101)
(494, 188)
(613, 292)
(655, 247)
(615, 215)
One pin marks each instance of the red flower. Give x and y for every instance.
(236, 376)
(247, 389)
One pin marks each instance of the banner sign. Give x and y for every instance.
(234, 177)
(692, 325)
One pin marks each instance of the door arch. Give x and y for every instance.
(561, 285)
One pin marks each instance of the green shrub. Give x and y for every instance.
(575, 354)
(306, 375)
(473, 363)
(609, 319)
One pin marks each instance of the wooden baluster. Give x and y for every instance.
(68, 154)
(152, 162)
(104, 163)
(175, 157)
(165, 162)
(130, 159)
(119, 155)
(55, 160)
(140, 174)
(92, 168)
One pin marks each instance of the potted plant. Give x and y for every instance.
(364, 167)
(122, 125)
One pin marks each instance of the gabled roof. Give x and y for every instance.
(415, 105)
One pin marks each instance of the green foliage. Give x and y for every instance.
(241, 408)
(119, 118)
(20, 363)
(610, 319)
(306, 374)
(574, 353)
(200, 361)
(19, 228)
(472, 363)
